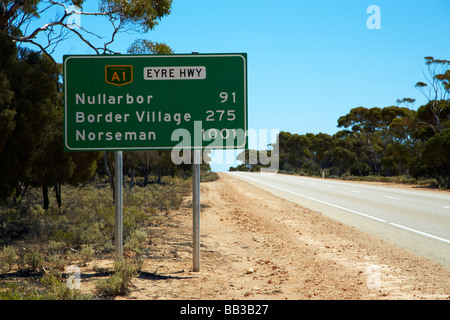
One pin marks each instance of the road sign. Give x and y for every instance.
(155, 102)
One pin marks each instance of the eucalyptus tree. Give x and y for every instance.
(436, 89)
(46, 23)
(31, 131)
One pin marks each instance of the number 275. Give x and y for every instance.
(212, 115)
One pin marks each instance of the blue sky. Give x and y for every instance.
(309, 62)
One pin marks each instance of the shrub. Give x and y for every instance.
(136, 241)
(18, 291)
(208, 176)
(8, 258)
(57, 290)
(87, 252)
(119, 283)
(85, 221)
(34, 260)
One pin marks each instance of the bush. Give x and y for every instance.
(87, 253)
(57, 290)
(87, 215)
(119, 283)
(8, 258)
(50, 287)
(207, 176)
(34, 260)
(136, 241)
(18, 291)
(80, 229)
(16, 223)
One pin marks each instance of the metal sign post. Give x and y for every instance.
(118, 204)
(196, 210)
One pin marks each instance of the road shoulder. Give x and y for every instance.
(255, 245)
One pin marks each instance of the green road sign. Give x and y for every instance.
(155, 102)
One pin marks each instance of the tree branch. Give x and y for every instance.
(42, 49)
(82, 38)
(17, 4)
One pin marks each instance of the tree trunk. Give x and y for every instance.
(132, 174)
(46, 200)
(58, 193)
(108, 172)
(145, 173)
(159, 176)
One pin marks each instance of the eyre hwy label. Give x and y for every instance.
(155, 102)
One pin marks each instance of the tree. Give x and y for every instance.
(380, 129)
(367, 125)
(436, 89)
(27, 104)
(351, 141)
(142, 46)
(342, 159)
(292, 150)
(436, 155)
(137, 16)
(31, 148)
(433, 118)
(51, 165)
(20, 99)
(253, 160)
(319, 153)
(393, 140)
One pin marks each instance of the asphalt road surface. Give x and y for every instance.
(415, 219)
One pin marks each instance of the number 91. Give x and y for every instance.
(224, 97)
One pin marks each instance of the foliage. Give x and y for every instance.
(137, 16)
(24, 110)
(143, 46)
(8, 258)
(208, 176)
(393, 143)
(87, 218)
(55, 289)
(17, 291)
(50, 287)
(42, 243)
(119, 283)
(436, 155)
(31, 112)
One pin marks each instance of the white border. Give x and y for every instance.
(152, 57)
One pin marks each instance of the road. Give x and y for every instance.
(416, 220)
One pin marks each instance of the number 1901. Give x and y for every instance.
(223, 134)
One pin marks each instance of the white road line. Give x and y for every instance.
(445, 207)
(320, 201)
(388, 197)
(419, 232)
(356, 191)
(356, 212)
